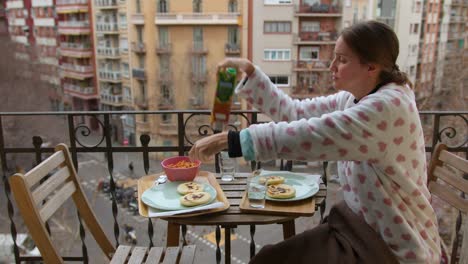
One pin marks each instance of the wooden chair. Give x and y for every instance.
(448, 167)
(30, 192)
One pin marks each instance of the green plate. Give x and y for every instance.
(166, 197)
(304, 187)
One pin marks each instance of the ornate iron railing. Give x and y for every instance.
(448, 127)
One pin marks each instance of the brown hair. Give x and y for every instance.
(376, 42)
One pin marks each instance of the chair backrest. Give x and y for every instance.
(438, 170)
(39, 197)
(450, 168)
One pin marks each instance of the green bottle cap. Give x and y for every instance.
(231, 71)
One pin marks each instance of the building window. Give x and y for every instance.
(280, 80)
(124, 44)
(122, 20)
(166, 118)
(198, 38)
(277, 54)
(162, 6)
(125, 70)
(233, 35)
(232, 6)
(197, 6)
(310, 26)
(309, 53)
(347, 3)
(277, 2)
(277, 27)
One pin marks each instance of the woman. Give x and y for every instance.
(371, 127)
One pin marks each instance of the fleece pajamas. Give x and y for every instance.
(378, 143)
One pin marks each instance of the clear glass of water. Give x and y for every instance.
(256, 192)
(227, 166)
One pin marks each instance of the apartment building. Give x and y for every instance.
(3, 18)
(20, 27)
(451, 69)
(355, 11)
(296, 43)
(109, 57)
(76, 57)
(46, 49)
(429, 48)
(173, 49)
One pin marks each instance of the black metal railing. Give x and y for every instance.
(95, 132)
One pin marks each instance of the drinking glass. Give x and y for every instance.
(256, 191)
(227, 166)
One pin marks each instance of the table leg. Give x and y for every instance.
(227, 245)
(173, 233)
(289, 229)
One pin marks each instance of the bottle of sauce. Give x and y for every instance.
(223, 99)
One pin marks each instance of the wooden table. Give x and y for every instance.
(233, 217)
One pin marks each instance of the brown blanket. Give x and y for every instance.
(344, 238)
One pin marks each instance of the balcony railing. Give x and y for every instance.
(138, 47)
(71, 2)
(113, 76)
(232, 49)
(447, 127)
(311, 65)
(165, 76)
(77, 68)
(106, 3)
(164, 48)
(199, 77)
(138, 19)
(319, 10)
(107, 27)
(324, 37)
(74, 27)
(78, 88)
(75, 49)
(108, 52)
(197, 19)
(112, 99)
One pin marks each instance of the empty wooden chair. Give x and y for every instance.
(450, 168)
(30, 190)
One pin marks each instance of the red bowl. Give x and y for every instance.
(180, 174)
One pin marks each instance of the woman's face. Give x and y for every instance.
(349, 74)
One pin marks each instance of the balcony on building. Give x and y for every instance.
(19, 22)
(110, 76)
(49, 79)
(316, 38)
(167, 129)
(20, 39)
(197, 19)
(105, 4)
(76, 71)
(143, 126)
(318, 10)
(80, 91)
(164, 49)
(46, 41)
(75, 50)
(14, 4)
(138, 19)
(42, 3)
(107, 27)
(48, 61)
(165, 76)
(141, 101)
(112, 99)
(199, 77)
(165, 103)
(138, 47)
(71, 6)
(44, 22)
(311, 65)
(139, 74)
(108, 52)
(197, 48)
(74, 27)
(232, 49)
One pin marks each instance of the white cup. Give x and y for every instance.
(227, 166)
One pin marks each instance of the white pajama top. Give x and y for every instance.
(379, 145)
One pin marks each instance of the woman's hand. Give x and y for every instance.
(205, 148)
(244, 65)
